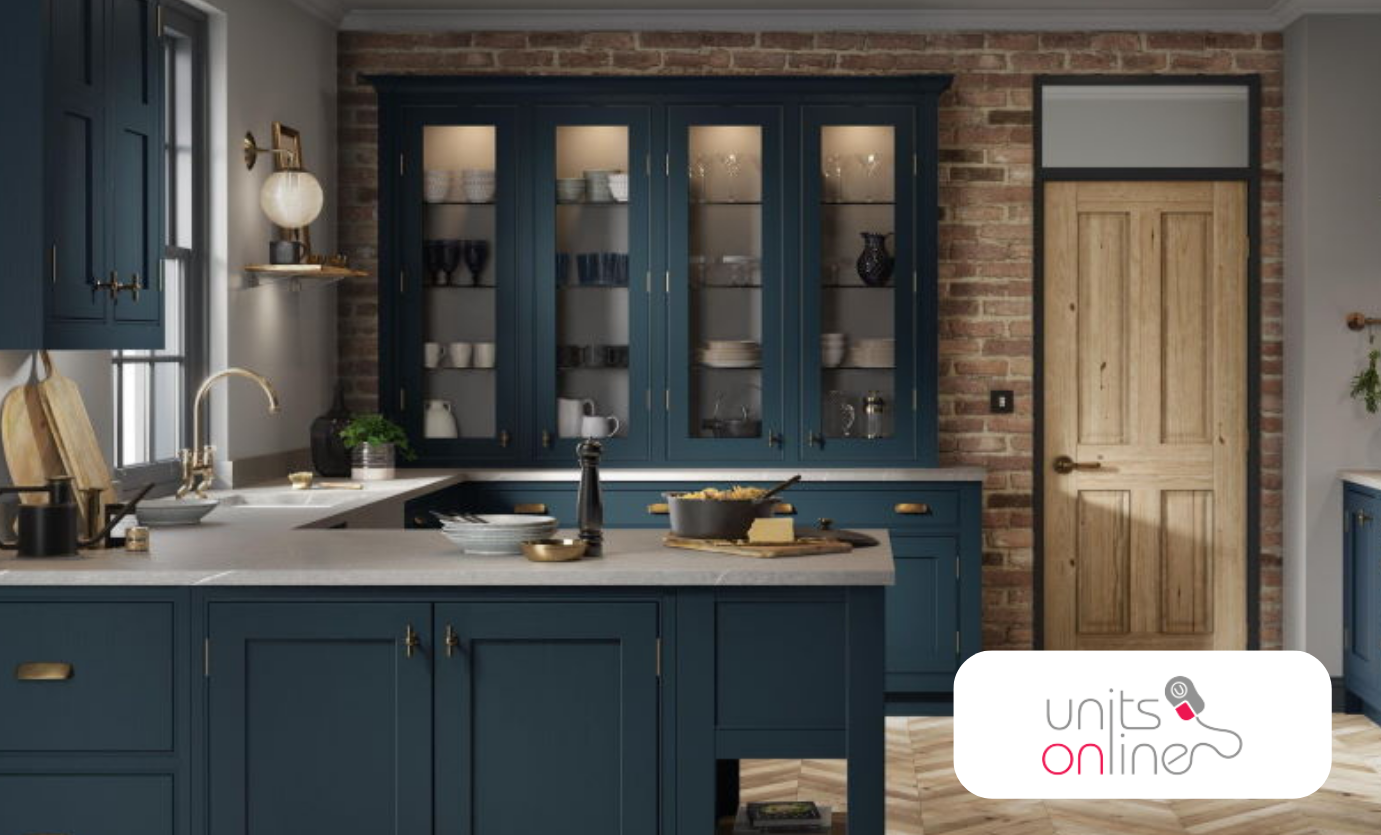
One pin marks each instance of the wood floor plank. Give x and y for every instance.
(924, 797)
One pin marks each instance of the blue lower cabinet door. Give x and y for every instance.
(922, 614)
(114, 804)
(546, 719)
(1361, 584)
(320, 718)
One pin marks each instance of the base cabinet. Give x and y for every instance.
(414, 717)
(1362, 597)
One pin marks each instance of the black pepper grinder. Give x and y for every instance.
(590, 503)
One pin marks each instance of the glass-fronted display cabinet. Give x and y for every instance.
(858, 340)
(590, 208)
(711, 271)
(724, 254)
(460, 368)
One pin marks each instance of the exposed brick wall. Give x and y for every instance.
(985, 233)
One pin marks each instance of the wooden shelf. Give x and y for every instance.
(297, 275)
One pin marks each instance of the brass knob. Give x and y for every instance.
(1064, 465)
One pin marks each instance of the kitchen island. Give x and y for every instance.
(266, 673)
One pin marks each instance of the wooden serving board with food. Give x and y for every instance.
(743, 548)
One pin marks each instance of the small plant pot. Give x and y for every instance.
(373, 462)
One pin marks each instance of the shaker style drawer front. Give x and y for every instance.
(73, 804)
(86, 677)
(895, 509)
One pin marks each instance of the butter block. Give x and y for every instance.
(772, 532)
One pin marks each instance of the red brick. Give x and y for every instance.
(786, 40)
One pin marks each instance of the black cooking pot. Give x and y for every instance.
(715, 519)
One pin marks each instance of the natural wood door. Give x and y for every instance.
(1145, 397)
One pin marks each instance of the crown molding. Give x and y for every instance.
(327, 11)
(1282, 14)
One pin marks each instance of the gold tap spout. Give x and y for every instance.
(197, 462)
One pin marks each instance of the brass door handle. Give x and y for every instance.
(111, 285)
(133, 286)
(912, 509)
(530, 508)
(1064, 465)
(504, 439)
(659, 509)
(411, 641)
(813, 439)
(774, 439)
(1362, 518)
(44, 671)
(784, 509)
(546, 439)
(452, 641)
(824, 523)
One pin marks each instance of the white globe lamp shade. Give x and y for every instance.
(291, 199)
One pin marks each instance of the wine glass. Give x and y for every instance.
(833, 171)
(476, 254)
(699, 176)
(450, 260)
(732, 163)
(871, 163)
(433, 260)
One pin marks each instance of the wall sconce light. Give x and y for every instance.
(291, 197)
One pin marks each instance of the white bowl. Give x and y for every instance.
(168, 513)
(480, 191)
(570, 189)
(618, 187)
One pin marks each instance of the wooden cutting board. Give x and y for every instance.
(799, 548)
(72, 430)
(31, 451)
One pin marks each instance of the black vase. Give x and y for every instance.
(329, 456)
(875, 263)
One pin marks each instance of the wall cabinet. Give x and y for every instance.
(1362, 596)
(82, 222)
(410, 717)
(711, 270)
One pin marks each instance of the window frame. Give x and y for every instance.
(182, 22)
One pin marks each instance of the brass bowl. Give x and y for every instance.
(554, 550)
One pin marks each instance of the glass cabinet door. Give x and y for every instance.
(591, 215)
(858, 351)
(724, 259)
(460, 374)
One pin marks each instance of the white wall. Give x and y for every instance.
(270, 61)
(1332, 266)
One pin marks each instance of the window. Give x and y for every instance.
(153, 388)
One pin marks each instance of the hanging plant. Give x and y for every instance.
(1366, 386)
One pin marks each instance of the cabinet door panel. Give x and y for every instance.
(135, 197)
(922, 610)
(126, 804)
(1362, 590)
(319, 720)
(547, 719)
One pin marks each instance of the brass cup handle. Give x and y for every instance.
(784, 509)
(911, 509)
(1064, 465)
(44, 671)
(659, 509)
(536, 507)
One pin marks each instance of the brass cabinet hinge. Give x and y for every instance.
(659, 659)
(402, 167)
(206, 658)
(402, 399)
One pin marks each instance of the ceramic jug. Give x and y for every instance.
(440, 421)
(569, 412)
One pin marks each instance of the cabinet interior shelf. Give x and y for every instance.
(592, 286)
(456, 368)
(726, 202)
(297, 275)
(461, 287)
(617, 204)
(860, 367)
(857, 203)
(703, 366)
(564, 368)
(857, 287)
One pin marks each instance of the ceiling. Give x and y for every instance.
(432, 15)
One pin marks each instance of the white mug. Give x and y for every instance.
(460, 353)
(597, 426)
(431, 354)
(569, 412)
(484, 354)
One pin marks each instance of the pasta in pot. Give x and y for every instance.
(734, 494)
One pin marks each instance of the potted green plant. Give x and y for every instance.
(374, 442)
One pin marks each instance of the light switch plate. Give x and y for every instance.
(1002, 402)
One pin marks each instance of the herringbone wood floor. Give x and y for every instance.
(925, 798)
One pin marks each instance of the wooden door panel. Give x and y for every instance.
(1145, 385)
(1103, 319)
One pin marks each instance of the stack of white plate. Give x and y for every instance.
(873, 353)
(597, 186)
(476, 185)
(498, 533)
(833, 346)
(436, 185)
(731, 353)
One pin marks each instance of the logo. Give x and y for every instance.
(1136, 725)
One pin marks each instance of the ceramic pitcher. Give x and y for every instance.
(440, 421)
(569, 412)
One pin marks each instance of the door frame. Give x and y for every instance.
(1251, 176)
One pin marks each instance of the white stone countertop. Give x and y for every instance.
(296, 546)
(1362, 478)
(720, 475)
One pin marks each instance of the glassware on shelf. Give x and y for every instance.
(833, 171)
(874, 416)
(433, 261)
(699, 174)
(871, 165)
(476, 254)
(741, 270)
(732, 164)
(699, 269)
(840, 415)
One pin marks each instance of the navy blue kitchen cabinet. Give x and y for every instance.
(547, 717)
(320, 717)
(82, 222)
(933, 612)
(735, 321)
(1362, 597)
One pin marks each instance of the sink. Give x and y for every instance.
(288, 498)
